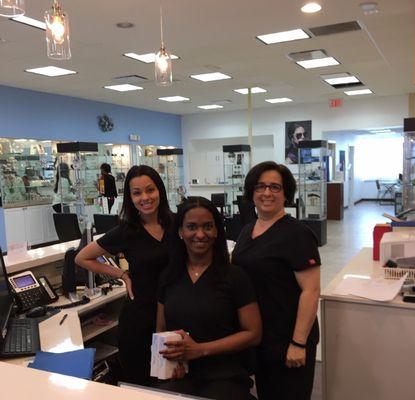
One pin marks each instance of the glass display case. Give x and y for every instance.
(26, 172)
(312, 186)
(408, 181)
(147, 155)
(236, 161)
(78, 163)
(170, 168)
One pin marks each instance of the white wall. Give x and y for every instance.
(363, 113)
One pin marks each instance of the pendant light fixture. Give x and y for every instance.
(162, 65)
(57, 33)
(12, 8)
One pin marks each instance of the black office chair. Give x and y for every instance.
(219, 201)
(246, 210)
(67, 227)
(105, 222)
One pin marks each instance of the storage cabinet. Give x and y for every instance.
(335, 200)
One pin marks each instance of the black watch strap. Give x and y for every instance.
(296, 344)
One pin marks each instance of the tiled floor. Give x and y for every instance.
(344, 239)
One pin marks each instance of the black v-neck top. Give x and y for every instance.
(146, 256)
(208, 310)
(270, 260)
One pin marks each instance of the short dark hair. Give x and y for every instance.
(106, 168)
(288, 180)
(129, 214)
(178, 253)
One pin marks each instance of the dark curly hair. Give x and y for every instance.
(288, 180)
(129, 215)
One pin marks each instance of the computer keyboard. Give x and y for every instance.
(22, 338)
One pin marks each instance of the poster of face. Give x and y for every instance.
(295, 132)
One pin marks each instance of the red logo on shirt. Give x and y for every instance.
(312, 261)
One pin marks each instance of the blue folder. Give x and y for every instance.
(78, 363)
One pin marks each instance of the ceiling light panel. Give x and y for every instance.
(254, 90)
(339, 79)
(210, 107)
(311, 8)
(358, 92)
(286, 36)
(173, 99)
(213, 76)
(123, 88)
(30, 21)
(279, 100)
(51, 71)
(146, 58)
(319, 63)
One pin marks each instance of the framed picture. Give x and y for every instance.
(295, 132)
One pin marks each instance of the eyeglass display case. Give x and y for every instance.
(236, 161)
(170, 168)
(408, 184)
(312, 186)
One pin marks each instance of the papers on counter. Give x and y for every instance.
(378, 289)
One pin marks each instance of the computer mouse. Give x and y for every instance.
(36, 312)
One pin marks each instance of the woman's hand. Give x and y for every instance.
(179, 372)
(185, 349)
(296, 357)
(125, 277)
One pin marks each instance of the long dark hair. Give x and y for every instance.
(63, 171)
(178, 252)
(129, 215)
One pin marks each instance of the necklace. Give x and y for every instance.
(196, 273)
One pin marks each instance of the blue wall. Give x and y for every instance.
(38, 115)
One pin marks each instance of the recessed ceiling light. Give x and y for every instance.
(381, 131)
(172, 99)
(126, 87)
(30, 21)
(369, 8)
(286, 36)
(213, 76)
(358, 92)
(46, 141)
(318, 63)
(254, 90)
(51, 71)
(146, 58)
(20, 140)
(108, 144)
(311, 7)
(339, 79)
(210, 107)
(279, 100)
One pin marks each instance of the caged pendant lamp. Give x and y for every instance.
(162, 65)
(57, 33)
(12, 8)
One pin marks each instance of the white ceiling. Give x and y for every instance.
(209, 36)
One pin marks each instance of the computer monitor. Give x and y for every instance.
(6, 299)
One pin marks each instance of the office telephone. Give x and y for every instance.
(31, 292)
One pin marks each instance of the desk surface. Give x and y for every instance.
(19, 383)
(361, 264)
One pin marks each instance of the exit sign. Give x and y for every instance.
(334, 103)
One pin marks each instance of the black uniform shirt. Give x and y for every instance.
(146, 256)
(270, 261)
(207, 309)
(110, 189)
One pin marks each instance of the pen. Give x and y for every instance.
(63, 319)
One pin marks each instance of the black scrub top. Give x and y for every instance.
(146, 256)
(270, 261)
(207, 309)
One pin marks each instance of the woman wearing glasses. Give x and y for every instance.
(280, 255)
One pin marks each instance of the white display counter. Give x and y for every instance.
(368, 349)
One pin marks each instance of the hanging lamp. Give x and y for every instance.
(57, 33)
(12, 8)
(162, 65)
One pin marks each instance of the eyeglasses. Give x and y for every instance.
(299, 135)
(273, 187)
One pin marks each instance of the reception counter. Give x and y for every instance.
(368, 349)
